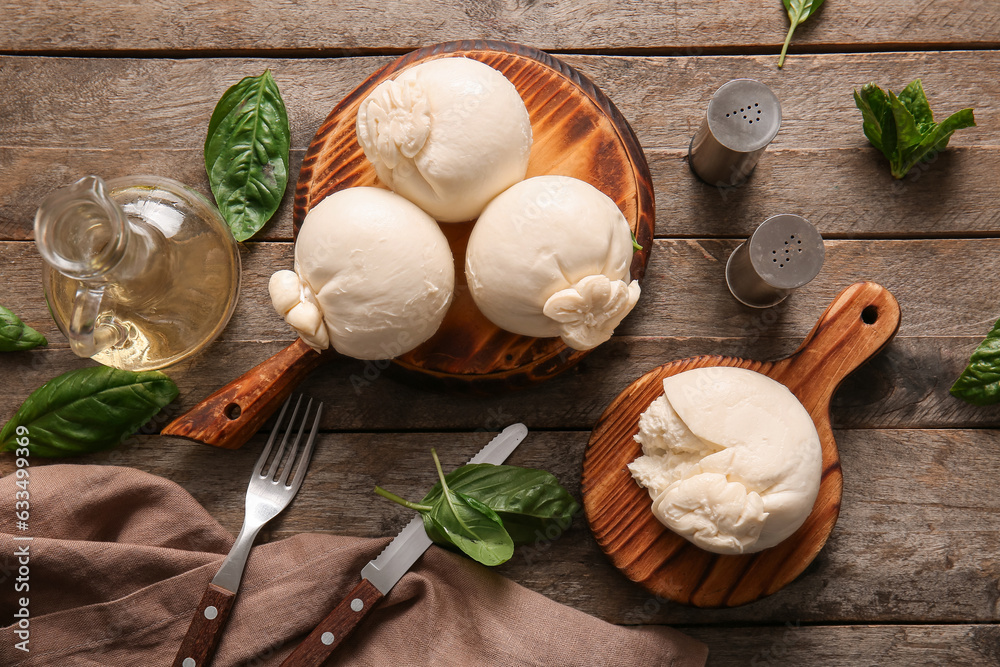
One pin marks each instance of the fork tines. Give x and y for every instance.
(291, 462)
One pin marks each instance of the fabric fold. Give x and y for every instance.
(120, 558)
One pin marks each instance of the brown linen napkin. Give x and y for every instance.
(120, 558)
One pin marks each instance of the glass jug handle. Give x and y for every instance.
(86, 335)
(82, 233)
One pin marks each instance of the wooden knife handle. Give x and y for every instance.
(230, 416)
(319, 645)
(205, 630)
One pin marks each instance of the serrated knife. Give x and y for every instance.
(380, 575)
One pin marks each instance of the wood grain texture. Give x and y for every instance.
(820, 165)
(576, 131)
(964, 645)
(206, 627)
(336, 626)
(945, 284)
(917, 540)
(231, 415)
(859, 323)
(313, 26)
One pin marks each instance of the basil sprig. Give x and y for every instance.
(903, 127)
(529, 504)
(87, 410)
(979, 383)
(798, 11)
(246, 153)
(15, 335)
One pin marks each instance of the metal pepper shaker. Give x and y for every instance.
(785, 252)
(742, 119)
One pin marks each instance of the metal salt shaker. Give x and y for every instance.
(742, 119)
(784, 253)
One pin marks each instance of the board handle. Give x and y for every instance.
(856, 326)
(230, 416)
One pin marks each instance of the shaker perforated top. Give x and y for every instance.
(744, 115)
(786, 251)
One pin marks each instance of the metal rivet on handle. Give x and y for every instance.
(357, 604)
(327, 638)
(742, 118)
(784, 253)
(211, 612)
(188, 662)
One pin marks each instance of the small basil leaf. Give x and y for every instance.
(798, 11)
(531, 503)
(246, 153)
(472, 527)
(877, 114)
(915, 101)
(15, 335)
(908, 135)
(979, 383)
(88, 410)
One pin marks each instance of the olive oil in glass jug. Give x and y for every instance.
(140, 272)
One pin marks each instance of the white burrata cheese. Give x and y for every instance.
(550, 256)
(373, 277)
(731, 459)
(448, 134)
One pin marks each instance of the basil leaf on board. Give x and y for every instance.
(15, 335)
(979, 383)
(88, 410)
(246, 153)
(903, 128)
(798, 11)
(530, 502)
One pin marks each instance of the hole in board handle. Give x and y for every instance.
(233, 411)
(869, 315)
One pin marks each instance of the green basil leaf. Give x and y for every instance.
(979, 383)
(15, 335)
(531, 503)
(246, 153)
(876, 112)
(472, 527)
(88, 410)
(798, 11)
(907, 134)
(915, 101)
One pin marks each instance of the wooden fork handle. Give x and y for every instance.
(332, 630)
(206, 627)
(230, 416)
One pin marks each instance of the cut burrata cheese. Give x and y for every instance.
(731, 459)
(550, 256)
(448, 134)
(373, 277)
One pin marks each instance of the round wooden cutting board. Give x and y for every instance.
(859, 323)
(577, 132)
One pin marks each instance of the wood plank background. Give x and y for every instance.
(911, 574)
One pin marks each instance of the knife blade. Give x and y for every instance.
(380, 575)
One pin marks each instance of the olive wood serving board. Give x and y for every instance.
(860, 322)
(577, 131)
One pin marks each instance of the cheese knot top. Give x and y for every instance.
(449, 135)
(731, 459)
(373, 275)
(550, 256)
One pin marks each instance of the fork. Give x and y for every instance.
(267, 496)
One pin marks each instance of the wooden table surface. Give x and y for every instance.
(910, 574)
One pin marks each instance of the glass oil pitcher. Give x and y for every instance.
(141, 272)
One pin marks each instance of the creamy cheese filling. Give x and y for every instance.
(730, 458)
